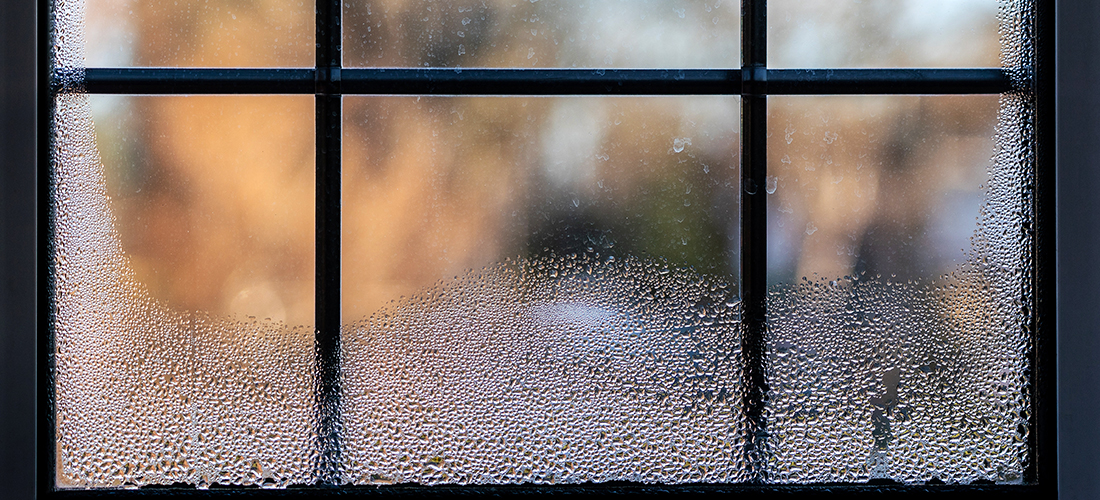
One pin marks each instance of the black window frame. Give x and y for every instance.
(753, 81)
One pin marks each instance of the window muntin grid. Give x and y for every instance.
(752, 81)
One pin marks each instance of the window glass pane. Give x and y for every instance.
(896, 345)
(883, 33)
(200, 33)
(889, 185)
(546, 33)
(213, 199)
(184, 262)
(541, 290)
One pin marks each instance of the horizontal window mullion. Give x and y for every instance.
(841, 490)
(199, 81)
(534, 82)
(887, 81)
(531, 82)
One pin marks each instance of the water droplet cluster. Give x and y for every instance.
(67, 50)
(913, 381)
(563, 369)
(873, 379)
(149, 395)
(553, 370)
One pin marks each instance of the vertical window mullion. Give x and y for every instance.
(1042, 442)
(327, 258)
(46, 480)
(754, 108)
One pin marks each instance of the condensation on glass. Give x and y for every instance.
(884, 33)
(543, 33)
(199, 33)
(894, 352)
(541, 290)
(148, 393)
(895, 346)
(545, 290)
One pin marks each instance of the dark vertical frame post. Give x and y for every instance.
(1043, 424)
(46, 431)
(328, 201)
(754, 230)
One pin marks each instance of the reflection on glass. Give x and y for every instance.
(199, 33)
(894, 346)
(547, 33)
(883, 33)
(213, 199)
(541, 290)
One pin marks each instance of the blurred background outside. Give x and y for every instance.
(214, 195)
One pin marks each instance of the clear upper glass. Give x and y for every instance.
(199, 33)
(542, 33)
(883, 33)
(213, 197)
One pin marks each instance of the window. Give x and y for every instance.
(692, 374)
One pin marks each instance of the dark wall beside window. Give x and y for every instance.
(17, 247)
(1078, 248)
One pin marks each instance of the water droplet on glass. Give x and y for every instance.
(679, 143)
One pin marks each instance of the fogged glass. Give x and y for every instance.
(183, 266)
(894, 344)
(541, 290)
(547, 33)
(883, 33)
(199, 33)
